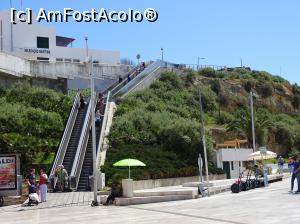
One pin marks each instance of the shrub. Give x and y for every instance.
(171, 78)
(296, 101)
(224, 118)
(249, 85)
(208, 72)
(223, 100)
(265, 89)
(283, 135)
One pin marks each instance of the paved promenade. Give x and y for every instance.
(265, 205)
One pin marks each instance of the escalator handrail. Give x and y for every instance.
(66, 136)
(143, 80)
(117, 84)
(123, 83)
(139, 77)
(81, 148)
(102, 132)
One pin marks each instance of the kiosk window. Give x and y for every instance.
(42, 42)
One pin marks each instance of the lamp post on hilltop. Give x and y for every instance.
(162, 54)
(138, 57)
(198, 64)
(86, 46)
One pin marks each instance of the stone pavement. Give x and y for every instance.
(56, 200)
(264, 205)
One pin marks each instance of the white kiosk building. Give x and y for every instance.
(231, 157)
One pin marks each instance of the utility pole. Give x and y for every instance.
(204, 142)
(11, 32)
(1, 34)
(91, 73)
(252, 120)
(95, 202)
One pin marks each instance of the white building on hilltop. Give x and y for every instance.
(34, 52)
(37, 42)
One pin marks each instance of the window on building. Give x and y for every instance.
(42, 59)
(232, 167)
(42, 42)
(96, 62)
(59, 59)
(76, 60)
(68, 60)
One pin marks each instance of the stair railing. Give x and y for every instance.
(116, 87)
(65, 139)
(137, 78)
(146, 81)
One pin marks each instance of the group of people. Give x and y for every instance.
(38, 187)
(136, 71)
(294, 166)
(99, 109)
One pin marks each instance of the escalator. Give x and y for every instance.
(74, 139)
(69, 141)
(78, 159)
(87, 166)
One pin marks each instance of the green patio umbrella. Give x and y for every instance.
(129, 163)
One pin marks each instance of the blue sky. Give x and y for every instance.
(265, 34)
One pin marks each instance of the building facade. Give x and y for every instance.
(37, 42)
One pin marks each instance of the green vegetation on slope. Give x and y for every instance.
(160, 125)
(31, 122)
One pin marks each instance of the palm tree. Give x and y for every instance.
(242, 124)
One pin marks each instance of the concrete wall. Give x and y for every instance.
(154, 183)
(18, 66)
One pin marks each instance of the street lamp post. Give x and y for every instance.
(11, 32)
(138, 57)
(86, 46)
(91, 74)
(1, 35)
(95, 175)
(252, 120)
(162, 54)
(198, 64)
(204, 142)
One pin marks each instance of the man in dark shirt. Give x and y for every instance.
(31, 181)
(297, 172)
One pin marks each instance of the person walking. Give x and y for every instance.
(31, 181)
(297, 172)
(280, 164)
(292, 161)
(43, 185)
(290, 164)
(82, 101)
(61, 174)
